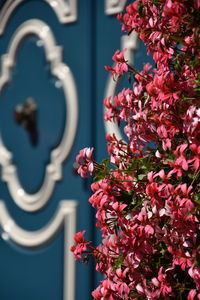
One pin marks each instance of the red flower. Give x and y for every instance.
(196, 159)
(81, 245)
(121, 64)
(85, 160)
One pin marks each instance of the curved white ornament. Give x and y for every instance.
(113, 7)
(65, 216)
(131, 44)
(33, 202)
(66, 11)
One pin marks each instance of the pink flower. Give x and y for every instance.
(196, 159)
(81, 245)
(146, 203)
(165, 288)
(78, 237)
(173, 8)
(191, 295)
(123, 290)
(85, 160)
(197, 4)
(121, 64)
(181, 163)
(96, 294)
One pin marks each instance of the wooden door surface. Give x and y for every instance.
(52, 86)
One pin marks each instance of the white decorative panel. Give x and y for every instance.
(66, 11)
(114, 6)
(53, 53)
(65, 216)
(130, 43)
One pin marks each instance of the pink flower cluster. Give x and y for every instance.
(121, 64)
(85, 161)
(147, 197)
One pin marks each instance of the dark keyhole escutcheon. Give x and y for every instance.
(26, 115)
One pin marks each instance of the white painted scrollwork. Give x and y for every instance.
(65, 216)
(113, 7)
(33, 202)
(66, 11)
(130, 43)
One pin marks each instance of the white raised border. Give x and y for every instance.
(33, 202)
(66, 11)
(113, 7)
(131, 44)
(65, 216)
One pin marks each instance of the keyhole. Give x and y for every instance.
(26, 116)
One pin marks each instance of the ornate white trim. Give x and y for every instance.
(65, 216)
(113, 7)
(131, 44)
(33, 202)
(66, 11)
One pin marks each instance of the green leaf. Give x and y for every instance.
(105, 162)
(125, 198)
(133, 165)
(196, 35)
(197, 197)
(147, 162)
(99, 175)
(141, 9)
(118, 262)
(141, 176)
(157, 3)
(194, 61)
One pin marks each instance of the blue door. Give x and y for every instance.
(52, 84)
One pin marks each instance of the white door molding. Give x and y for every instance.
(113, 7)
(53, 53)
(65, 216)
(66, 11)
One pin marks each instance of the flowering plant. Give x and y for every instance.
(147, 198)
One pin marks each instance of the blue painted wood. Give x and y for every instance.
(38, 273)
(88, 45)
